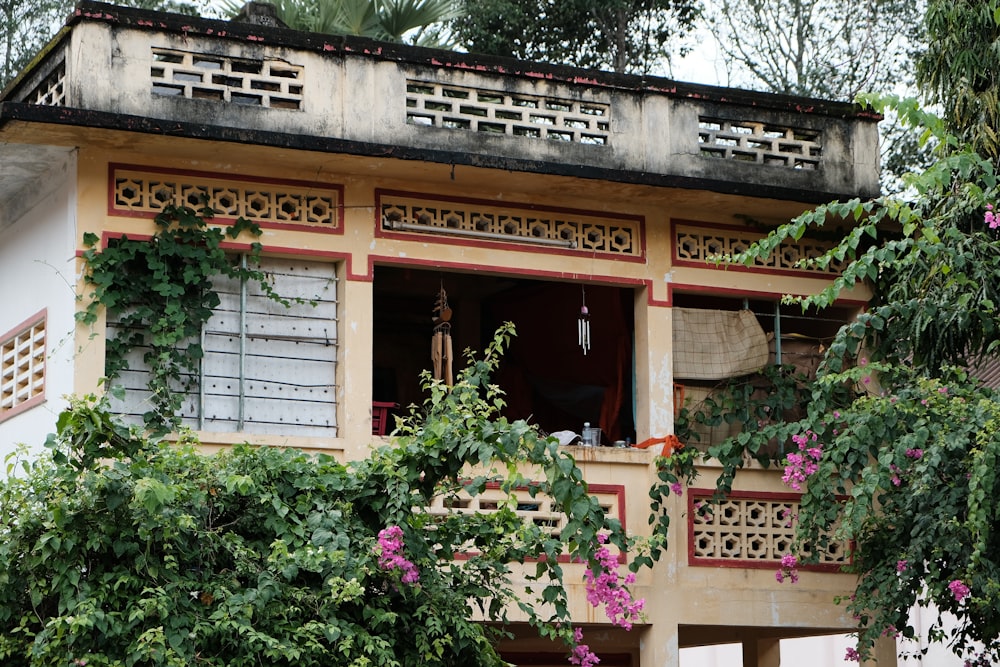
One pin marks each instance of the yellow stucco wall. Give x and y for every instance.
(677, 593)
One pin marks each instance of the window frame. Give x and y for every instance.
(198, 401)
(12, 337)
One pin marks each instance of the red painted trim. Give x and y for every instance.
(600, 279)
(312, 185)
(691, 288)
(508, 245)
(695, 494)
(22, 407)
(292, 251)
(677, 261)
(39, 317)
(608, 280)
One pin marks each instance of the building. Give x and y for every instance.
(383, 175)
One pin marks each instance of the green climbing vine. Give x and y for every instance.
(761, 412)
(160, 291)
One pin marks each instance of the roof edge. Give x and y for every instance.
(140, 19)
(67, 116)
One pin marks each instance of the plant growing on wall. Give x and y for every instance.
(160, 292)
(904, 470)
(120, 550)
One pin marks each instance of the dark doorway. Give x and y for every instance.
(545, 374)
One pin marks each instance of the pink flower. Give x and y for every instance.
(582, 655)
(958, 589)
(390, 544)
(894, 469)
(901, 565)
(677, 488)
(800, 466)
(942, 390)
(852, 655)
(789, 568)
(990, 218)
(914, 453)
(609, 588)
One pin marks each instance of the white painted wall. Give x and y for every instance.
(37, 270)
(921, 618)
(827, 651)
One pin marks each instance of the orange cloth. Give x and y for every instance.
(670, 443)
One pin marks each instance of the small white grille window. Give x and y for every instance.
(274, 84)
(496, 112)
(22, 367)
(760, 143)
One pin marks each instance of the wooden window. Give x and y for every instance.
(267, 368)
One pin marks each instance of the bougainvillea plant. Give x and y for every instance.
(120, 550)
(898, 449)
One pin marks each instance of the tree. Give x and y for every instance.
(629, 36)
(960, 69)
(417, 22)
(120, 550)
(897, 451)
(899, 447)
(25, 27)
(832, 49)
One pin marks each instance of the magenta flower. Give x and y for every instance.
(990, 218)
(958, 589)
(789, 568)
(901, 565)
(582, 655)
(677, 488)
(914, 453)
(852, 655)
(609, 588)
(390, 546)
(799, 466)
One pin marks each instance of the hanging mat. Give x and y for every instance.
(717, 344)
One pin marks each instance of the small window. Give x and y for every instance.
(22, 367)
(268, 368)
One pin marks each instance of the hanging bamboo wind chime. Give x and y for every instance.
(583, 323)
(441, 352)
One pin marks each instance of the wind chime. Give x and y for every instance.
(441, 352)
(583, 322)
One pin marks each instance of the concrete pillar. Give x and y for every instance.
(354, 365)
(884, 654)
(761, 652)
(654, 368)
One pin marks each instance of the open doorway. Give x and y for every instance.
(546, 375)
